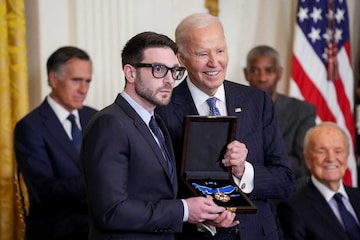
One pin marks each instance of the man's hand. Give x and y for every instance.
(202, 209)
(235, 157)
(225, 220)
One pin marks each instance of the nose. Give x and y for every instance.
(83, 87)
(262, 75)
(330, 156)
(212, 59)
(169, 78)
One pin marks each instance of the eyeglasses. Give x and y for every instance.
(160, 70)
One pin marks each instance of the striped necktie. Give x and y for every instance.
(214, 111)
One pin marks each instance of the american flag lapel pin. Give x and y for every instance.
(238, 109)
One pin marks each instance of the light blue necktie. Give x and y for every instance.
(214, 111)
(75, 132)
(351, 226)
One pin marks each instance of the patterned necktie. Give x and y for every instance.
(75, 132)
(351, 227)
(214, 111)
(160, 136)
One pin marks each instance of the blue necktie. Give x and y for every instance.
(351, 226)
(160, 136)
(214, 111)
(75, 132)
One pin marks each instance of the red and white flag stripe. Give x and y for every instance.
(310, 80)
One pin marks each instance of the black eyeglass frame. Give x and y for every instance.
(173, 70)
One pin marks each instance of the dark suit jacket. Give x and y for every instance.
(131, 195)
(51, 168)
(295, 117)
(257, 128)
(308, 216)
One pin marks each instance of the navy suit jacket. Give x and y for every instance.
(130, 192)
(257, 128)
(50, 165)
(307, 215)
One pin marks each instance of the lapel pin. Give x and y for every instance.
(237, 109)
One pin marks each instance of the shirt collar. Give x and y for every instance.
(200, 97)
(142, 112)
(60, 111)
(327, 192)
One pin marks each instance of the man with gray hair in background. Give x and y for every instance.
(263, 71)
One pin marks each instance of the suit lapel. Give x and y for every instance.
(322, 208)
(57, 131)
(145, 132)
(183, 101)
(233, 98)
(235, 107)
(354, 198)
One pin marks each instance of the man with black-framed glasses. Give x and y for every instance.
(160, 70)
(127, 153)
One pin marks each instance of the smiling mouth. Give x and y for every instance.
(212, 73)
(331, 166)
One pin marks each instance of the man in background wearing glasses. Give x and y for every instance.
(127, 153)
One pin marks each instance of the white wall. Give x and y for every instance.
(101, 27)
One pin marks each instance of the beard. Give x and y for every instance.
(152, 96)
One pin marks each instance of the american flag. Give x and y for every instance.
(321, 67)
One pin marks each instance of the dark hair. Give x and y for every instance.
(133, 52)
(61, 56)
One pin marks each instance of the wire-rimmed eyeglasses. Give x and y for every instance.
(160, 70)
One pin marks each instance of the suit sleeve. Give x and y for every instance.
(273, 177)
(50, 178)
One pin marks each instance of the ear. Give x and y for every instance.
(307, 160)
(130, 73)
(52, 79)
(181, 58)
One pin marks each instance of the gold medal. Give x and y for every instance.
(222, 197)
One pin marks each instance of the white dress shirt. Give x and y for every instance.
(329, 197)
(62, 115)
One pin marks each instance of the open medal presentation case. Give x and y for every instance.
(205, 141)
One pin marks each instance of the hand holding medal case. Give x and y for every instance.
(205, 141)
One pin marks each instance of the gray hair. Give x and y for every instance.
(191, 22)
(262, 50)
(309, 133)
